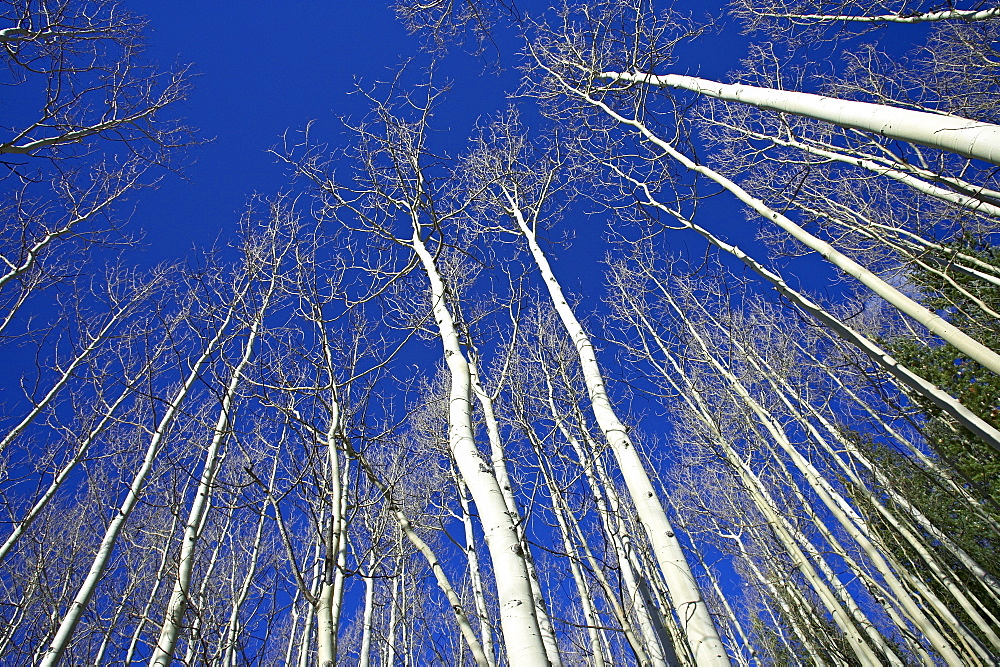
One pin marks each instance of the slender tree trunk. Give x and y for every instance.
(198, 514)
(734, 621)
(523, 640)
(499, 460)
(649, 619)
(965, 197)
(104, 552)
(231, 638)
(194, 632)
(696, 621)
(769, 509)
(485, 626)
(305, 643)
(561, 510)
(368, 614)
(407, 529)
(143, 618)
(972, 139)
(391, 632)
(903, 375)
(293, 630)
(900, 17)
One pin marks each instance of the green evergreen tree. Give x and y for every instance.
(976, 387)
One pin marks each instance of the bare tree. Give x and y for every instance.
(398, 200)
(519, 186)
(101, 124)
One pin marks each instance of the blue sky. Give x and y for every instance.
(266, 67)
(262, 69)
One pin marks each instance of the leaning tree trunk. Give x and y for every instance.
(969, 138)
(900, 373)
(929, 319)
(499, 459)
(102, 558)
(522, 636)
(689, 606)
(198, 513)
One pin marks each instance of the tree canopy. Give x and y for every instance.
(574, 342)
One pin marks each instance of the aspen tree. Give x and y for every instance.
(935, 323)
(392, 152)
(498, 458)
(902, 576)
(854, 12)
(500, 158)
(95, 422)
(369, 610)
(108, 542)
(265, 258)
(549, 355)
(766, 505)
(231, 639)
(969, 138)
(485, 626)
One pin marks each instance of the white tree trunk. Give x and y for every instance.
(499, 460)
(522, 636)
(104, 552)
(475, 579)
(231, 637)
(194, 630)
(326, 627)
(903, 173)
(609, 510)
(835, 504)
(335, 541)
(155, 589)
(929, 319)
(368, 614)
(197, 515)
(407, 529)
(305, 640)
(919, 17)
(969, 138)
(693, 614)
(390, 641)
(908, 378)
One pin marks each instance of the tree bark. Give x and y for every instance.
(972, 139)
(696, 621)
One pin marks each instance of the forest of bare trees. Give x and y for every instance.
(385, 425)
